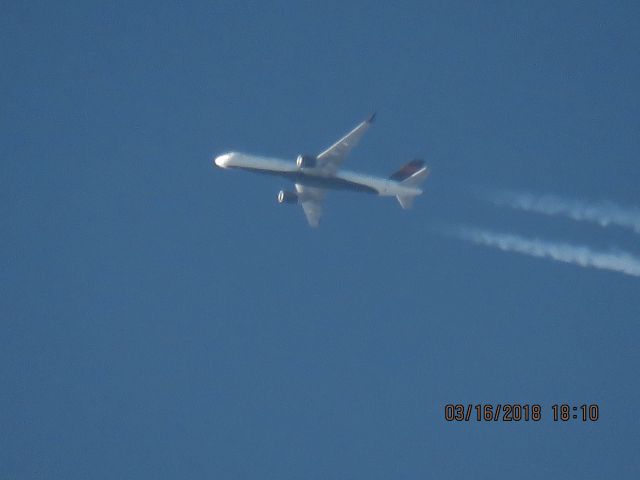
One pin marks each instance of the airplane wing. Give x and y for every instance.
(311, 200)
(331, 159)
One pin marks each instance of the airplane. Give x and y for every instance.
(313, 175)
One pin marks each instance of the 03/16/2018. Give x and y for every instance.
(516, 412)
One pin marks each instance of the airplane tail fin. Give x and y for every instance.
(407, 170)
(412, 174)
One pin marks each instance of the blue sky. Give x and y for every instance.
(165, 319)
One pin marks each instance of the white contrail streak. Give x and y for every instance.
(603, 213)
(582, 256)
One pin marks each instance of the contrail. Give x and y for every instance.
(603, 213)
(582, 256)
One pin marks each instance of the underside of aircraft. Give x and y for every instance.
(313, 175)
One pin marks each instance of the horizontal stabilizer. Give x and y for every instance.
(418, 175)
(407, 170)
(405, 201)
(417, 178)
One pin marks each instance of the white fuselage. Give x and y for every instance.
(316, 177)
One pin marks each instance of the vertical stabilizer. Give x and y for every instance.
(412, 175)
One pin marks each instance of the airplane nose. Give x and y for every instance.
(222, 160)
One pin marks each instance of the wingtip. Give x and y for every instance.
(372, 118)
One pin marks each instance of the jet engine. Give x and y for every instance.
(287, 197)
(306, 161)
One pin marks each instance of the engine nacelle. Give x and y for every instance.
(306, 161)
(287, 197)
